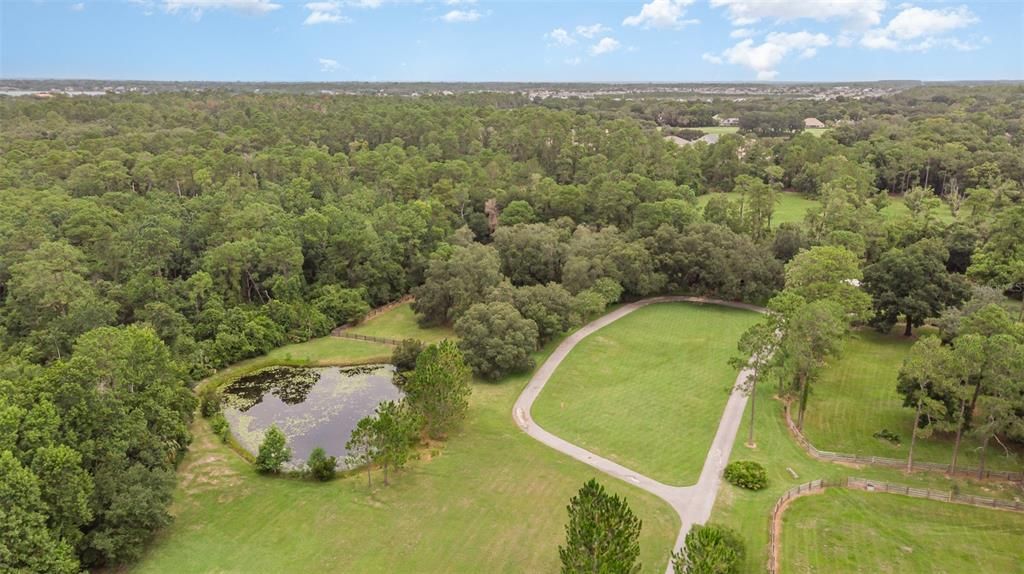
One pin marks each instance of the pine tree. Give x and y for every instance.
(602, 536)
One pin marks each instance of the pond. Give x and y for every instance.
(312, 406)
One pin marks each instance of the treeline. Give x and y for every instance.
(187, 232)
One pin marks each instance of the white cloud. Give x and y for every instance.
(324, 13)
(561, 36)
(742, 33)
(920, 29)
(456, 16)
(604, 46)
(592, 30)
(709, 57)
(329, 65)
(78, 7)
(197, 7)
(764, 58)
(661, 14)
(574, 61)
(457, 2)
(858, 13)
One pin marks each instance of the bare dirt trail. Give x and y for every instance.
(692, 503)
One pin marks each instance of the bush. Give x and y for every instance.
(274, 451)
(209, 401)
(220, 427)
(710, 549)
(746, 474)
(320, 465)
(405, 354)
(886, 434)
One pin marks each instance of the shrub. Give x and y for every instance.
(274, 451)
(405, 354)
(886, 434)
(746, 474)
(209, 401)
(710, 549)
(320, 465)
(220, 427)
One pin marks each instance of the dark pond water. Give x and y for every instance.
(313, 407)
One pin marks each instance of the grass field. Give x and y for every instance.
(897, 208)
(492, 500)
(856, 397)
(748, 511)
(791, 207)
(400, 323)
(648, 390)
(842, 531)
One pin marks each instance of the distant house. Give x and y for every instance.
(729, 122)
(678, 140)
(682, 142)
(813, 124)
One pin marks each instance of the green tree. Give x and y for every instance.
(439, 388)
(361, 447)
(273, 451)
(602, 535)
(394, 430)
(455, 283)
(26, 544)
(320, 465)
(928, 370)
(829, 273)
(710, 549)
(496, 339)
(913, 283)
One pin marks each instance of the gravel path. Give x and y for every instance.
(692, 503)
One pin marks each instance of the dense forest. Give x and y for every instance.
(148, 240)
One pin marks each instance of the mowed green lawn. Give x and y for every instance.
(842, 531)
(749, 511)
(648, 390)
(791, 207)
(490, 500)
(400, 323)
(856, 397)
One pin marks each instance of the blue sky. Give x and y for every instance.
(453, 40)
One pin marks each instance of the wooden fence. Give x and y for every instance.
(358, 337)
(892, 462)
(815, 486)
(343, 330)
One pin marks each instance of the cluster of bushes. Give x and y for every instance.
(746, 474)
(710, 549)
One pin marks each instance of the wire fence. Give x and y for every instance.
(344, 332)
(816, 486)
(893, 462)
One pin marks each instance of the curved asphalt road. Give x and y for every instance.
(692, 503)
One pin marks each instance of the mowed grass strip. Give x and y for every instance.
(400, 323)
(491, 500)
(749, 511)
(842, 531)
(856, 397)
(648, 390)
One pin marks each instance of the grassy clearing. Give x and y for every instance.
(648, 390)
(842, 531)
(718, 129)
(748, 512)
(791, 207)
(856, 397)
(897, 209)
(493, 500)
(400, 323)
